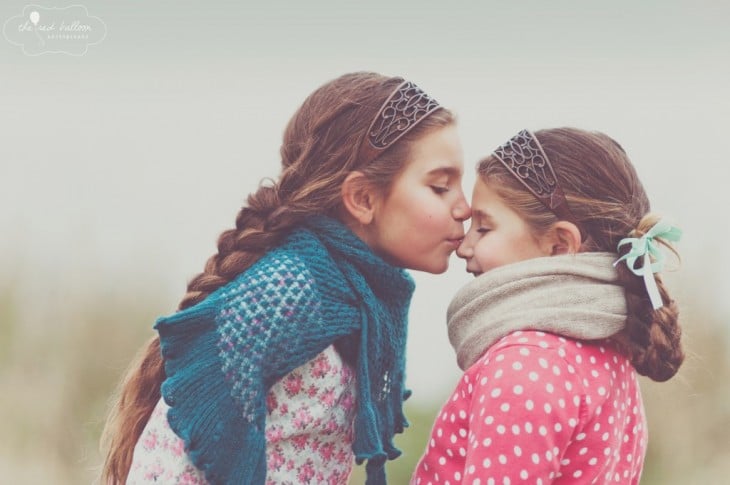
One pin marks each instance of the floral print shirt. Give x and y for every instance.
(308, 431)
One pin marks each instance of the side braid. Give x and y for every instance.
(242, 246)
(609, 202)
(319, 150)
(652, 338)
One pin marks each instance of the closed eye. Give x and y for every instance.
(483, 230)
(439, 190)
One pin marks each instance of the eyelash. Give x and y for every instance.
(483, 230)
(439, 190)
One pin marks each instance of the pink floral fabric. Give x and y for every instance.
(308, 431)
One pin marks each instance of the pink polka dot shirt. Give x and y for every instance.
(538, 408)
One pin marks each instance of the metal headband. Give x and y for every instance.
(524, 157)
(407, 106)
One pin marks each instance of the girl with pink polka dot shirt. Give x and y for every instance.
(567, 307)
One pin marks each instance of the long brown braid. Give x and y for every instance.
(319, 150)
(609, 203)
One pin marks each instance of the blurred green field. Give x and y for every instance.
(61, 359)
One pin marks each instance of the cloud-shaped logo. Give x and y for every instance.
(51, 30)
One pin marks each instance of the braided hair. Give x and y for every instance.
(609, 203)
(319, 150)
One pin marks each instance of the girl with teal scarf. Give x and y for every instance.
(370, 185)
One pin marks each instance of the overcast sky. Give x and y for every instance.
(122, 165)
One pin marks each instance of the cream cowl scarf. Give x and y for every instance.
(574, 295)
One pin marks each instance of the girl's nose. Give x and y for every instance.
(461, 210)
(465, 250)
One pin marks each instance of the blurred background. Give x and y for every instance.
(120, 166)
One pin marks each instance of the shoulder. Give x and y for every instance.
(539, 357)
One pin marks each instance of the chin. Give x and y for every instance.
(435, 268)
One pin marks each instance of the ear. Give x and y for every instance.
(562, 238)
(358, 198)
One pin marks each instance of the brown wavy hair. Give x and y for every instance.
(319, 150)
(609, 203)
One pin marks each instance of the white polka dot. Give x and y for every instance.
(525, 352)
(518, 451)
(504, 407)
(462, 414)
(523, 474)
(542, 430)
(517, 365)
(517, 389)
(487, 463)
(528, 427)
(501, 429)
(462, 452)
(601, 391)
(503, 459)
(549, 388)
(558, 427)
(515, 429)
(533, 376)
(583, 451)
(547, 407)
(499, 373)
(471, 470)
(543, 363)
(457, 476)
(496, 392)
(439, 432)
(487, 442)
(462, 432)
(453, 438)
(433, 442)
(506, 481)
(529, 405)
(442, 461)
(577, 474)
(580, 437)
(535, 458)
(593, 461)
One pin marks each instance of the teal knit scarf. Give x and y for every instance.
(322, 285)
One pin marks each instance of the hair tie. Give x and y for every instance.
(646, 248)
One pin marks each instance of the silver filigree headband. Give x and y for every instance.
(524, 157)
(407, 106)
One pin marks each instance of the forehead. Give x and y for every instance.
(438, 152)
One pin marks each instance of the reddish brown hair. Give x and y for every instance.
(609, 203)
(319, 150)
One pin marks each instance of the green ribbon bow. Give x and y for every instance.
(646, 248)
